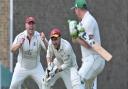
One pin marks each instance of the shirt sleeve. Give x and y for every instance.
(42, 44)
(18, 38)
(15, 40)
(92, 29)
(89, 27)
(49, 51)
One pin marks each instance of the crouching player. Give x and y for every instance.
(64, 65)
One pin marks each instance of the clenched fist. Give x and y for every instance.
(21, 40)
(42, 36)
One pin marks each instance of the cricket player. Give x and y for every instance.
(65, 60)
(92, 62)
(29, 43)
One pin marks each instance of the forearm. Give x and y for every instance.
(49, 60)
(15, 47)
(45, 42)
(82, 42)
(67, 63)
(44, 39)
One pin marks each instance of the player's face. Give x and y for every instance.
(56, 42)
(30, 26)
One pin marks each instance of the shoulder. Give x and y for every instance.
(50, 46)
(65, 44)
(89, 23)
(89, 19)
(36, 33)
(20, 34)
(50, 42)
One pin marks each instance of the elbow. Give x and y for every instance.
(13, 50)
(46, 47)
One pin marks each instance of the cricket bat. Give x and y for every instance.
(96, 47)
(76, 30)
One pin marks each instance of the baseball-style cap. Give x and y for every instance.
(55, 33)
(80, 4)
(30, 19)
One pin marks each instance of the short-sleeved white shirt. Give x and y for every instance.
(29, 53)
(65, 55)
(91, 28)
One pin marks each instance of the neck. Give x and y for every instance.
(83, 13)
(58, 47)
(30, 35)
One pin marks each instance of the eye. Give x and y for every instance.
(54, 38)
(31, 22)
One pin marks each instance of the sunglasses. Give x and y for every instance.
(31, 22)
(54, 38)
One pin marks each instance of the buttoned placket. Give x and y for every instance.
(30, 45)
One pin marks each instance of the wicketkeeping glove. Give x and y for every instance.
(50, 71)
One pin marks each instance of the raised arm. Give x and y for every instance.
(17, 43)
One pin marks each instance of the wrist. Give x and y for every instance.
(58, 70)
(43, 39)
(20, 44)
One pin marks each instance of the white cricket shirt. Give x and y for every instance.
(29, 53)
(91, 28)
(65, 55)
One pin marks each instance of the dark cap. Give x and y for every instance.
(30, 19)
(55, 32)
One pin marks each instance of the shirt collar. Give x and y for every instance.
(26, 34)
(61, 45)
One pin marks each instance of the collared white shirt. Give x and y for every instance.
(91, 28)
(65, 55)
(29, 53)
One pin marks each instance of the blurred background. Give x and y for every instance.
(111, 15)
